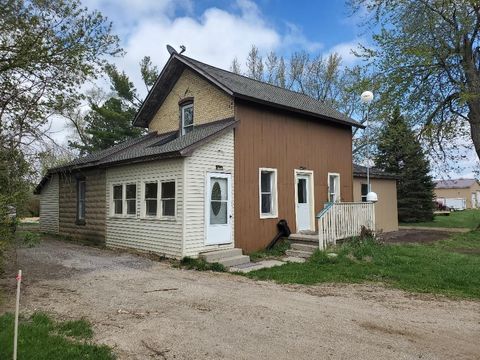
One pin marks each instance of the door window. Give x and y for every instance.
(218, 201)
(302, 191)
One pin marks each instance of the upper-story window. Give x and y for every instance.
(186, 111)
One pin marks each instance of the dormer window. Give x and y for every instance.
(186, 111)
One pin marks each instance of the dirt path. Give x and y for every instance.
(223, 316)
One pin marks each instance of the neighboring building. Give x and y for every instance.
(466, 191)
(225, 159)
(385, 185)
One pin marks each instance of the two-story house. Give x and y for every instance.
(226, 158)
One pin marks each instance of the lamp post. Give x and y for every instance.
(367, 97)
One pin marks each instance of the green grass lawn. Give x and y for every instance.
(457, 219)
(41, 338)
(450, 267)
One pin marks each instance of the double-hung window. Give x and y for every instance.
(187, 118)
(131, 198)
(364, 192)
(81, 193)
(168, 198)
(268, 193)
(333, 187)
(118, 199)
(151, 198)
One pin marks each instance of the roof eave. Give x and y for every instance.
(296, 110)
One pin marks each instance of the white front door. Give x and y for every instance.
(218, 211)
(474, 201)
(304, 203)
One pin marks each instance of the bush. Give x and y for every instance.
(200, 265)
(31, 239)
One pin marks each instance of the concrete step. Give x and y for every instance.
(308, 238)
(216, 255)
(299, 253)
(304, 247)
(234, 260)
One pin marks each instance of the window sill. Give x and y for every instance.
(132, 217)
(155, 218)
(268, 216)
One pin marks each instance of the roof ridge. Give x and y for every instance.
(252, 79)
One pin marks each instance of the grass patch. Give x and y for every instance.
(31, 239)
(277, 251)
(41, 338)
(457, 219)
(428, 268)
(200, 265)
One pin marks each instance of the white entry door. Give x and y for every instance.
(304, 202)
(218, 211)
(474, 201)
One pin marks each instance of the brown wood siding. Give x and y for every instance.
(95, 206)
(285, 141)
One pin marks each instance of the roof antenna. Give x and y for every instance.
(171, 50)
(183, 49)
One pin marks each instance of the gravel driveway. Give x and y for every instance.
(149, 310)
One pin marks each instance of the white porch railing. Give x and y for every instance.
(343, 220)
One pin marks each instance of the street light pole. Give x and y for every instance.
(367, 97)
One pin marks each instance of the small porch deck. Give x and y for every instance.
(337, 221)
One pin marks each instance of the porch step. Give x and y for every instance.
(304, 247)
(229, 257)
(234, 260)
(216, 255)
(307, 238)
(299, 253)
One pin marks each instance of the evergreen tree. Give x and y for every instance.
(400, 153)
(110, 122)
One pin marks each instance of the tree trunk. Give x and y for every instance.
(474, 120)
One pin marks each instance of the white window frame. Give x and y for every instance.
(361, 195)
(182, 108)
(160, 199)
(338, 191)
(81, 216)
(274, 193)
(112, 200)
(125, 207)
(144, 200)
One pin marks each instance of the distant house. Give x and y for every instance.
(385, 185)
(459, 190)
(225, 159)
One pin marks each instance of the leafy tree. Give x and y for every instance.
(48, 49)
(400, 153)
(427, 53)
(109, 122)
(255, 64)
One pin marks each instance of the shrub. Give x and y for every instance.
(200, 265)
(31, 239)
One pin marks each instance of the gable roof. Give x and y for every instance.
(375, 173)
(238, 86)
(454, 183)
(148, 147)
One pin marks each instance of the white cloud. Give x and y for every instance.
(345, 50)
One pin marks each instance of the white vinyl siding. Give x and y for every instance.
(218, 152)
(49, 206)
(162, 236)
